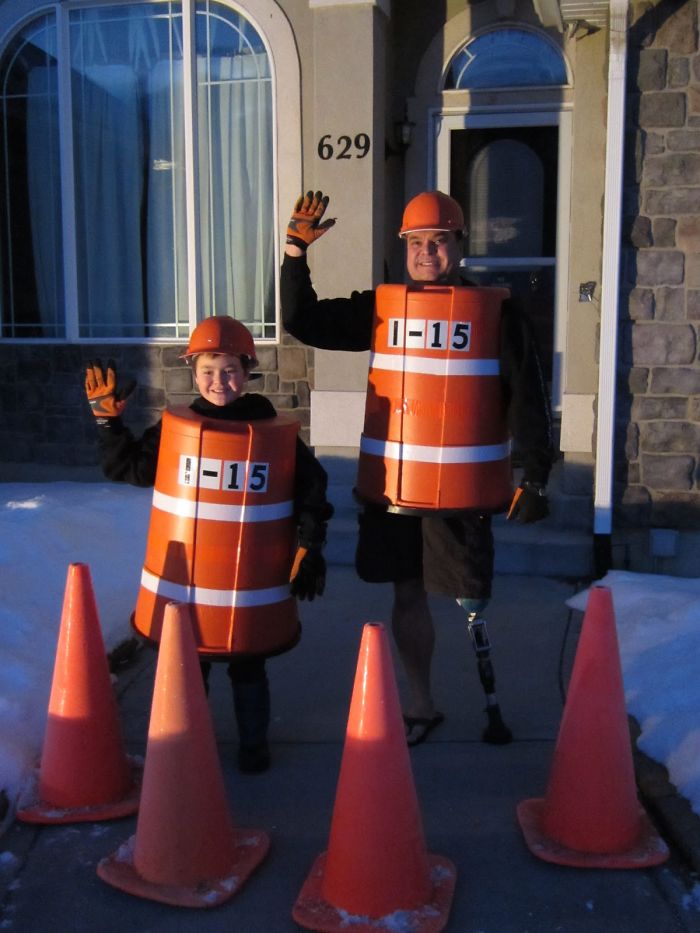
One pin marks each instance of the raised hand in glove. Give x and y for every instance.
(305, 225)
(529, 504)
(308, 576)
(106, 400)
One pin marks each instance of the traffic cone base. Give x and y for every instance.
(250, 848)
(31, 809)
(649, 848)
(315, 913)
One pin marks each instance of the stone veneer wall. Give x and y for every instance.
(658, 443)
(44, 417)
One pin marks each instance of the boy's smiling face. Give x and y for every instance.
(219, 377)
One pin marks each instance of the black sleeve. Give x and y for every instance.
(526, 397)
(311, 508)
(329, 323)
(126, 459)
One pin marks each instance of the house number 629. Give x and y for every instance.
(346, 147)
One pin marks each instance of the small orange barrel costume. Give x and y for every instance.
(222, 535)
(435, 436)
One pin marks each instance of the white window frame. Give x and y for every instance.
(280, 46)
(442, 122)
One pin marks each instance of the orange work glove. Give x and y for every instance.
(308, 576)
(305, 225)
(106, 401)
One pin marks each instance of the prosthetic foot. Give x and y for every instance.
(496, 731)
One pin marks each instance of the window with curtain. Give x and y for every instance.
(94, 229)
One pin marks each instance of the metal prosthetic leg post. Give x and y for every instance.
(496, 732)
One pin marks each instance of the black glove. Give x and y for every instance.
(308, 577)
(106, 400)
(305, 225)
(530, 504)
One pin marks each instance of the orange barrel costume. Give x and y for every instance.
(435, 436)
(222, 535)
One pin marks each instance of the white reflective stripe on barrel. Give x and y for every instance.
(418, 453)
(188, 508)
(433, 366)
(201, 596)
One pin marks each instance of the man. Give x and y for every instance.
(451, 554)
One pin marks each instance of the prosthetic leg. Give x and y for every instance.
(496, 732)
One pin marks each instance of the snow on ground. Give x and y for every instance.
(658, 629)
(43, 529)
(46, 527)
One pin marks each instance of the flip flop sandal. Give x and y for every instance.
(418, 728)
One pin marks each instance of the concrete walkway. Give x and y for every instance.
(468, 791)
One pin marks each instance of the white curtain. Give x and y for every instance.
(108, 155)
(44, 193)
(235, 190)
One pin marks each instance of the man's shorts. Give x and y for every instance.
(452, 554)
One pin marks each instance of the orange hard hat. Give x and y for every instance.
(221, 334)
(432, 210)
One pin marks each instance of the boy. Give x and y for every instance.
(222, 354)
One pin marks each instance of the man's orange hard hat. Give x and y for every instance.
(432, 210)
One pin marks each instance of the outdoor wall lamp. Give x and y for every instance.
(403, 136)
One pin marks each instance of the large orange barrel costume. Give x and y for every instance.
(435, 436)
(222, 536)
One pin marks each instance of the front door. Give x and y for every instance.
(507, 170)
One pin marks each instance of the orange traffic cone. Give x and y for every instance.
(376, 864)
(591, 816)
(84, 773)
(185, 851)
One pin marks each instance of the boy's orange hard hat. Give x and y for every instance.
(432, 210)
(221, 334)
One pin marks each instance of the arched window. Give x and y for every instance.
(508, 57)
(100, 212)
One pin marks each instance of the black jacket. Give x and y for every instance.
(127, 459)
(346, 324)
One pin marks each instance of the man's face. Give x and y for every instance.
(433, 256)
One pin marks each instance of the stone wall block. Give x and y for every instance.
(678, 437)
(678, 71)
(176, 381)
(651, 408)
(671, 202)
(676, 510)
(667, 471)
(683, 140)
(659, 267)
(694, 409)
(688, 233)
(675, 380)
(641, 304)
(693, 104)
(664, 232)
(651, 70)
(632, 442)
(672, 169)
(678, 28)
(658, 344)
(640, 232)
(669, 304)
(692, 270)
(662, 108)
(267, 358)
(293, 364)
(693, 304)
(638, 380)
